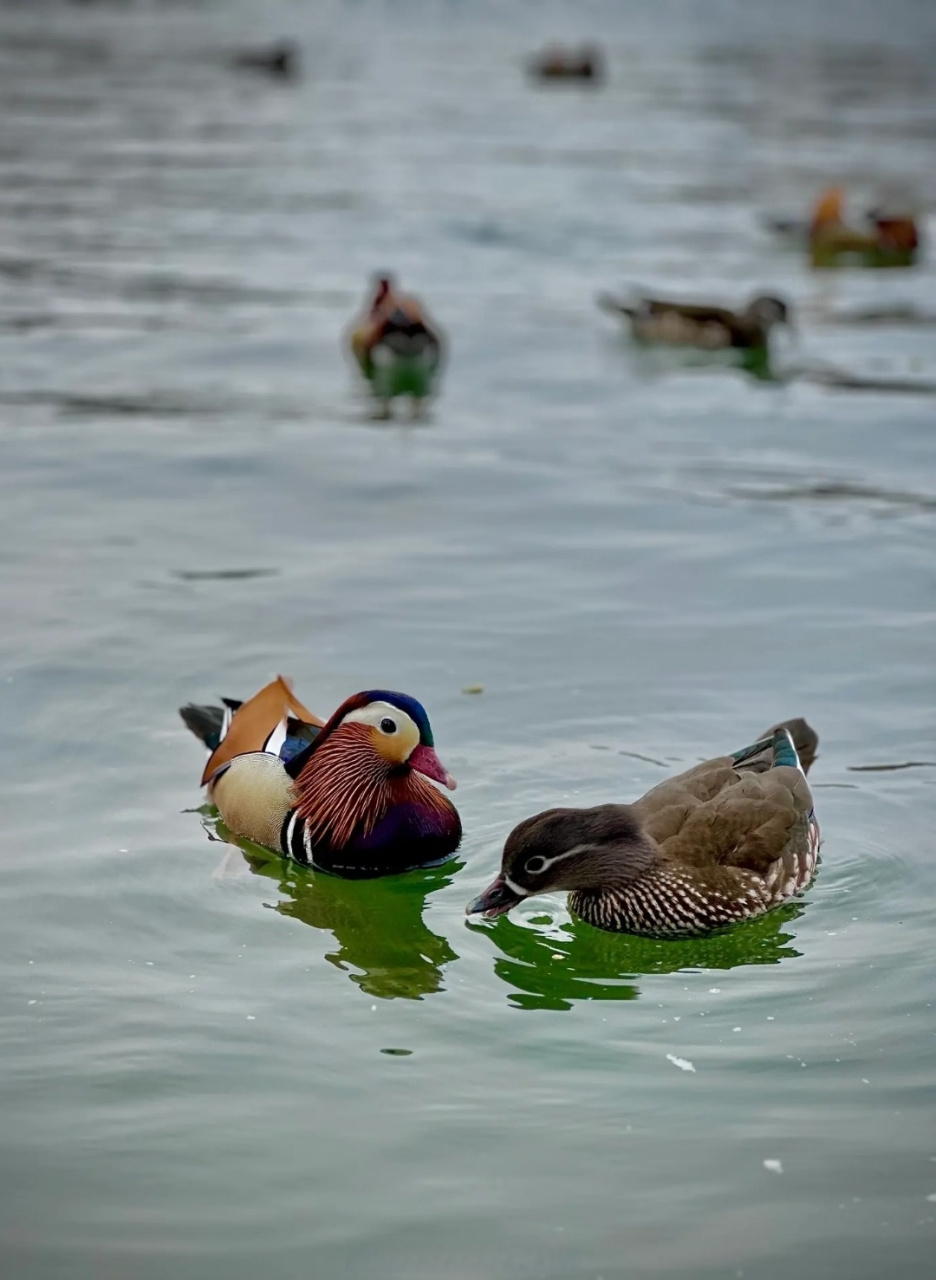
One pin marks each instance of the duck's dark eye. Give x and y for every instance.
(535, 865)
(388, 725)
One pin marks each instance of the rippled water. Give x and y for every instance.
(218, 1070)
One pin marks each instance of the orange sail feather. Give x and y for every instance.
(255, 721)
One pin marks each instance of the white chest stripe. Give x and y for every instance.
(288, 836)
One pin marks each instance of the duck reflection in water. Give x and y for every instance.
(384, 944)
(551, 966)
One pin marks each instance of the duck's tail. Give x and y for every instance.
(793, 743)
(408, 336)
(209, 724)
(615, 306)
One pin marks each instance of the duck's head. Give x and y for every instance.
(766, 311)
(392, 725)
(383, 285)
(568, 850)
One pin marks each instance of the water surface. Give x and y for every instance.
(215, 1064)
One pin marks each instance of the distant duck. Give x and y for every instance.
(280, 60)
(712, 328)
(558, 63)
(890, 240)
(397, 348)
(351, 795)
(727, 840)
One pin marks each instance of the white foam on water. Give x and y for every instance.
(683, 1063)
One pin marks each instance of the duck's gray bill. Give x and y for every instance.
(497, 898)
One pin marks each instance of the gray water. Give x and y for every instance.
(219, 1066)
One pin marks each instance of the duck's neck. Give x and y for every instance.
(344, 788)
(347, 788)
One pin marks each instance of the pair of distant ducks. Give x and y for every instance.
(359, 796)
(399, 351)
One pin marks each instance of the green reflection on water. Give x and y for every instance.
(388, 950)
(553, 967)
(653, 361)
(384, 944)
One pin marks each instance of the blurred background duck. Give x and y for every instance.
(692, 324)
(558, 63)
(889, 239)
(397, 348)
(353, 795)
(280, 61)
(725, 841)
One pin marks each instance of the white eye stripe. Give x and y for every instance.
(548, 862)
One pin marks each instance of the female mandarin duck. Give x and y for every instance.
(725, 841)
(692, 324)
(891, 240)
(396, 347)
(351, 795)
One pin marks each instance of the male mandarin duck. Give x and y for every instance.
(725, 841)
(699, 325)
(892, 238)
(351, 795)
(397, 348)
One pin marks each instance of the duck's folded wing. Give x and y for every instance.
(260, 724)
(748, 825)
(748, 822)
(700, 783)
(739, 810)
(843, 240)
(699, 313)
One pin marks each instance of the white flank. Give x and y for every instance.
(683, 1063)
(774, 1166)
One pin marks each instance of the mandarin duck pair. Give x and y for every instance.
(397, 348)
(891, 238)
(357, 796)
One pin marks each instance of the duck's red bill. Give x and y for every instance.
(425, 761)
(497, 898)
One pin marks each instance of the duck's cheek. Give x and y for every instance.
(395, 748)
